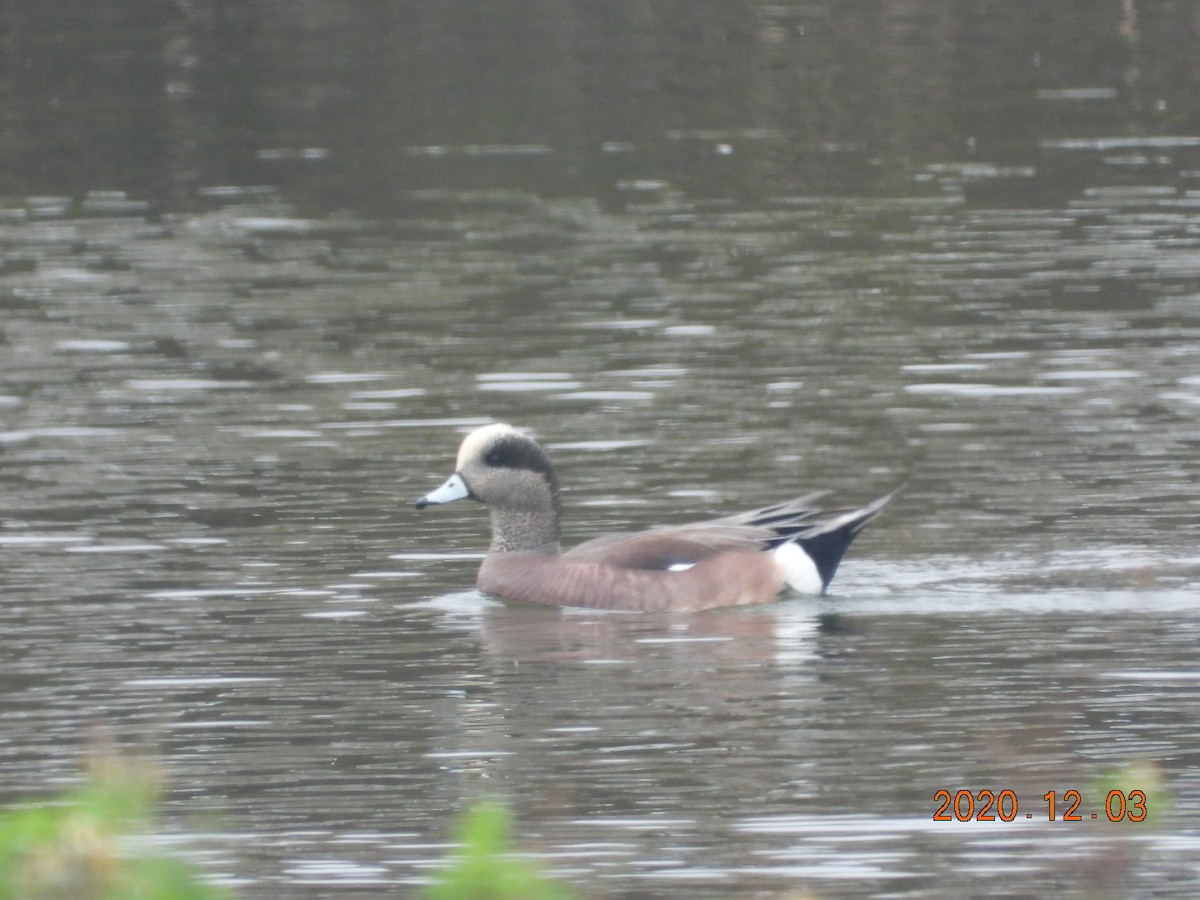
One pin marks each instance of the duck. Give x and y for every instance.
(749, 558)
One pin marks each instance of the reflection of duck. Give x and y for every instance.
(679, 647)
(748, 558)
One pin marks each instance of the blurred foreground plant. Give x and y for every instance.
(77, 847)
(1138, 776)
(483, 868)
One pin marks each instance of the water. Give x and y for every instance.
(216, 414)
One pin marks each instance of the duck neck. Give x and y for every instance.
(525, 531)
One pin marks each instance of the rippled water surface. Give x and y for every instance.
(214, 421)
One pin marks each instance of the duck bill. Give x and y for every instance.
(454, 489)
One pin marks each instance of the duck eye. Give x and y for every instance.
(494, 458)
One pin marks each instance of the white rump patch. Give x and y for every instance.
(799, 571)
(680, 566)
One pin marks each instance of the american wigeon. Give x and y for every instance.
(748, 558)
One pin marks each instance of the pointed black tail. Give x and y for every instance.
(826, 542)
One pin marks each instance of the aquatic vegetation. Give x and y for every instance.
(89, 844)
(1135, 792)
(82, 845)
(484, 868)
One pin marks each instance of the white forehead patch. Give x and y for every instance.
(473, 443)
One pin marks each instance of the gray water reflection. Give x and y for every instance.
(659, 728)
(354, 107)
(713, 257)
(214, 427)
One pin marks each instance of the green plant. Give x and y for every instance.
(483, 868)
(76, 847)
(1136, 792)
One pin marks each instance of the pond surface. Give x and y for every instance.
(215, 417)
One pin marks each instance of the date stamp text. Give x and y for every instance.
(1067, 806)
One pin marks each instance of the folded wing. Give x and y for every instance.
(679, 546)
